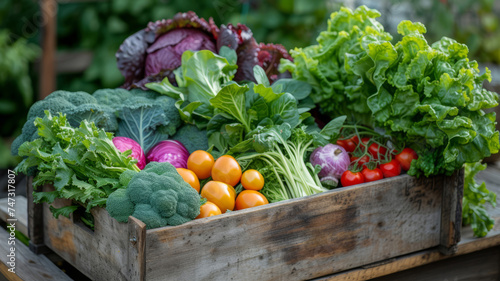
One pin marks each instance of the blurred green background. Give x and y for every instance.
(92, 30)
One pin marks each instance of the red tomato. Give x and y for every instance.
(351, 178)
(405, 157)
(362, 161)
(391, 169)
(349, 145)
(377, 151)
(364, 141)
(372, 175)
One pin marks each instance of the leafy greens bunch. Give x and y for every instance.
(200, 77)
(475, 197)
(204, 76)
(262, 125)
(271, 131)
(144, 116)
(82, 163)
(335, 89)
(428, 97)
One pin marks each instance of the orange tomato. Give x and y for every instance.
(190, 177)
(208, 209)
(249, 199)
(226, 169)
(201, 163)
(252, 180)
(221, 194)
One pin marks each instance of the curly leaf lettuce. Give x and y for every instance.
(428, 97)
(82, 163)
(475, 197)
(336, 86)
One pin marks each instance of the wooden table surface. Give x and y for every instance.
(476, 258)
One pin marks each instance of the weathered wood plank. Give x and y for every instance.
(49, 46)
(136, 251)
(35, 221)
(28, 265)
(451, 213)
(4, 270)
(99, 254)
(21, 208)
(468, 243)
(303, 238)
(480, 265)
(466, 246)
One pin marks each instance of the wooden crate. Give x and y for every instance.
(296, 239)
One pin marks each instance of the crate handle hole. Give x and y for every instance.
(84, 220)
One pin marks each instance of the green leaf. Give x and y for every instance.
(267, 93)
(285, 107)
(299, 89)
(166, 88)
(45, 197)
(265, 138)
(205, 73)
(407, 27)
(139, 123)
(82, 164)
(231, 99)
(383, 55)
(229, 54)
(475, 198)
(333, 127)
(64, 211)
(260, 76)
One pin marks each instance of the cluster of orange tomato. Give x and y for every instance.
(225, 173)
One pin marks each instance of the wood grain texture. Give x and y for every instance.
(136, 250)
(296, 239)
(29, 266)
(21, 214)
(451, 213)
(480, 265)
(101, 254)
(468, 244)
(303, 238)
(4, 271)
(35, 220)
(49, 46)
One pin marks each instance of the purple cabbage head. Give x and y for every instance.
(165, 53)
(123, 144)
(155, 52)
(171, 151)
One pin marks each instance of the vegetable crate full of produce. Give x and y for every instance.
(295, 239)
(224, 159)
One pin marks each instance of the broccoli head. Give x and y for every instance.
(192, 137)
(119, 205)
(159, 197)
(76, 105)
